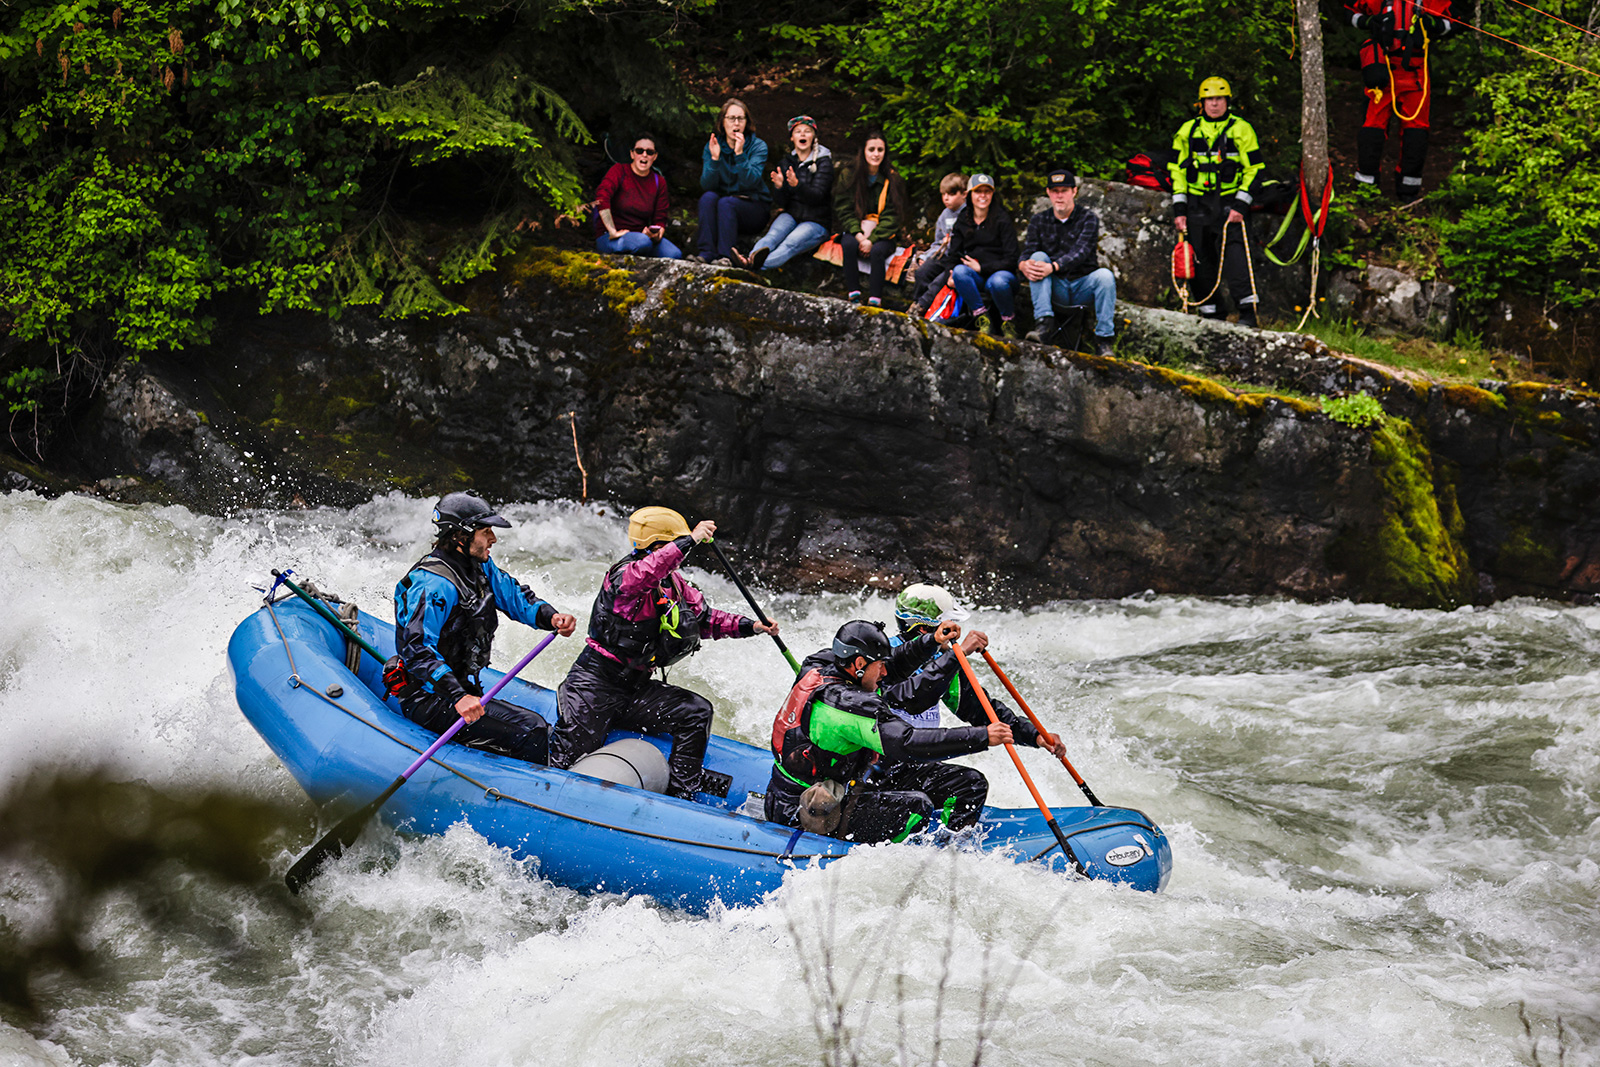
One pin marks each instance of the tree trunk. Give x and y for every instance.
(1313, 99)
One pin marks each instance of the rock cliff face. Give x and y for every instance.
(846, 447)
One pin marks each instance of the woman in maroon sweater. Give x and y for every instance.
(632, 206)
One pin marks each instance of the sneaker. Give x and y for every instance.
(875, 301)
(1248, 317)
(855, 296)
(1105, 346)
(723, 262)
(1043, 330)
(758, 257)
(983, 322)
(1008, 330)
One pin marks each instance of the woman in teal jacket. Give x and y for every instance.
(733, 174)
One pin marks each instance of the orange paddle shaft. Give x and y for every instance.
(1037, 725)
(1011, 750)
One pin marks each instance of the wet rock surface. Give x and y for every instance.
(849, 447)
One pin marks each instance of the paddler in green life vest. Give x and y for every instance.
(1218, 160)
(920, 610)
(834, 725)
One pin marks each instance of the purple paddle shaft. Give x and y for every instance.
(445, 737)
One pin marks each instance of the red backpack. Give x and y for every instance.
(1148, 170)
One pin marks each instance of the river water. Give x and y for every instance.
(1384, 824)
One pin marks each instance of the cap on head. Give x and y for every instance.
(859, 638)
(926, 605)
(650, 526)
(803, 120)
(1061, 178)
(1214, 86)
(464, 513)
(978, 181)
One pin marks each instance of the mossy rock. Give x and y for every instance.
(1416, 557)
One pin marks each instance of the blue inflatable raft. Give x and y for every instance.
(344, 742)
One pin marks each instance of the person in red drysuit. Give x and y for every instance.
(1394, 69)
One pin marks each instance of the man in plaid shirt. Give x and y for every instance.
(1062, 264)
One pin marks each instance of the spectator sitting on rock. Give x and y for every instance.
(982, 250)
(632, 206)
(733, 174)
(933, 270)
(1060, 261)
(870, 206)
(802, 186)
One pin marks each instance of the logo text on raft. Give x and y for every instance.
(1125, 855)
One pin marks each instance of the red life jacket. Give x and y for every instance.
(794, 706)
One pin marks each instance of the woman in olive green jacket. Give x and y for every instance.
(871, 208)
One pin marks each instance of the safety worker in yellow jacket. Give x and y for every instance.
(1218, 160)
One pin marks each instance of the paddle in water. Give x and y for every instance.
(754, 606)
(1011, 750)
(1037, 725)
(341, 837)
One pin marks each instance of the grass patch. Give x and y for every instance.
(1466, 359)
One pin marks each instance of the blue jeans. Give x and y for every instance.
(1097, 287)
(787, 238)
(965, 281)
(723, 218)
(635, 243)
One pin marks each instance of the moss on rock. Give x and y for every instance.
(1417, 558)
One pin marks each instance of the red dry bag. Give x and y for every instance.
(1183, 260)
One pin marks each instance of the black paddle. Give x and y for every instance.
(754, 606)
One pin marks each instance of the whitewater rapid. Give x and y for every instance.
(1384, 823)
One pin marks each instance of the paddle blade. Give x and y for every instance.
(332, 845)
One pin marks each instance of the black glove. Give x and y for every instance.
(1374, 25)
(1436, 26)
(1375, 76)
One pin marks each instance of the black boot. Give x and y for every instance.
(1369, 153)
(1413, 154)
(1043, 329)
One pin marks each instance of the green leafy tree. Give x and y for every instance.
(1015, 86)
(1528, 190)
(157, 154)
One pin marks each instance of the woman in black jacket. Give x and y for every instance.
(983, 246)
(802, 188)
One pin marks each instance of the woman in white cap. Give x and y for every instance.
(983, 247)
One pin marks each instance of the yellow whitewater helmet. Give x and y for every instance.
(650, 526)
(1214, 86)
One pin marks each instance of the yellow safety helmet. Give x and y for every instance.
(1215, 87)
(652, 525)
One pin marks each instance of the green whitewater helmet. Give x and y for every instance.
(926, 605)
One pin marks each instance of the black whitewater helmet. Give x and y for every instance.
(464, 513)
(858, 638)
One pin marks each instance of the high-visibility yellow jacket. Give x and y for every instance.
(1219, 156)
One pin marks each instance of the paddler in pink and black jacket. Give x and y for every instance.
(646, 617)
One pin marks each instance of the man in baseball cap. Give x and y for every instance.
(1060, 259)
